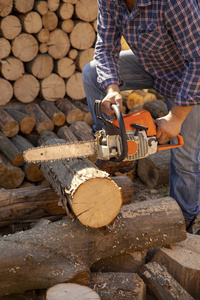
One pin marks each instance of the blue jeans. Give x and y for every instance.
(185, 161)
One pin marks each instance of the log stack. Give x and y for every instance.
(44, 46)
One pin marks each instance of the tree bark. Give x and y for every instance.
(54, 114)
(182, 261)
(11, 151)
(43, 123)
(154, 170)
(8, 125)
(72, 113)
(26, 122)
(162, 284)
(12, 177)
(62, 251)
(121, 286)
(82, 131)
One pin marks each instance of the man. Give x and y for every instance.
(164, 38)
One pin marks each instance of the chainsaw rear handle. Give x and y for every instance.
(171, 146)
(111, 129)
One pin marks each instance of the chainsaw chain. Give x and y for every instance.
(58, 144)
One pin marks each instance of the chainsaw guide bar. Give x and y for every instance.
(61, 151)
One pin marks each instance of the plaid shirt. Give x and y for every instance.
(163, 34)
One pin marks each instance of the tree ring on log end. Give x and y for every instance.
(97, 202)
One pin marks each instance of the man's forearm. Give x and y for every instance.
(180, 112)
(112, 88)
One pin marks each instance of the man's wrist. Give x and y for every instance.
(112, 88)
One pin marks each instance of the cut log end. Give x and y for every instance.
(71, 291)
(97, 202)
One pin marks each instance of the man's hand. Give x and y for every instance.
(169, 126)
(113, 97)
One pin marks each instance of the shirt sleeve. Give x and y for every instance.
(108, 47)
(183, 21)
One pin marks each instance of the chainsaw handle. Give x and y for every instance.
(171, 146)
(111, 129)
(122, 133)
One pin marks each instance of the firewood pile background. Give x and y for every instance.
(60, 239)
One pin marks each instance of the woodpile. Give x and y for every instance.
(44, 46)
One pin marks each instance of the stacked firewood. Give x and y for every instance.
(44, 46)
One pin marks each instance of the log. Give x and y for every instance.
(70, 1)
(26, 88)
(162, 284)
(23, 6)
(5, 7)
(6, 91)
(13, 153)
(121, 286)
(43, 48)
(42, 201)
(82, 131)
(50, 20)
(71, 291)
(43, 35)
(72, 113)
(84, 57)
(86, 10)
(54, 114)
(31, 22)
(41, 66)
(53, 5)
(10, 27)
(43, 123)
(54, 259)
(75, 180)
(8, 125)
(25, 47)
(31, 170)
(13, 177)
(5, 48)
(41, 7)
(122, 263)
(73, 53)
(82, 36)
(64, 67)
(52, 87)
(26, 122)
(58, 44)
(65, 11)
(182, 261)
(3, 167)
(154, 169)
(74, 87)
(65, 133)
(12, 68)
(157, 108)
(67, 25)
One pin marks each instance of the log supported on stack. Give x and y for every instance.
(56, 253)
(36, 202)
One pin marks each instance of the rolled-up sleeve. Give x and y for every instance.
(183, 21)
(108, 47)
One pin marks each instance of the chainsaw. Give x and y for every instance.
(124, 138)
